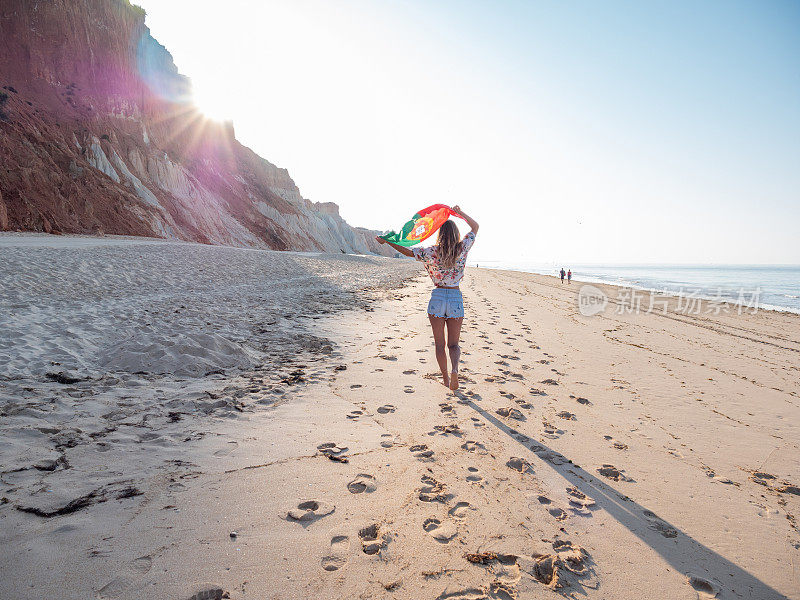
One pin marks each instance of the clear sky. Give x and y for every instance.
(581, 131)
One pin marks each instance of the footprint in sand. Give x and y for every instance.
(432, 490)
(523, 404)
(519, 464)
(472, 446)
(567, 415)
(363, 483)
(510, 413)
(447, 430)
(474, 475)
(410, 371)
(578, 499)
(613, 473)
(207, 591)
(563, 546)
(141, 565)
(441, 532)
(331, 449)
(386, 408)
(446, 408)
(387, 440)
(549, 382)
(705, 588)
(554, 458)
(559, 514)
(460, 510)
(421, 452)
(544, 500)
(355, 414)
(571, 557)
(476, 422)
(762, 478)
(340, 545)
(660, 525)
(552, 432)
(580, 400)
(355, 386)
(372, 541)
(310, 510)
(408, 389)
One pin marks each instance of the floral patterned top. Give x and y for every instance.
(445, 277)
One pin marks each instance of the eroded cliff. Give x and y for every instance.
(98, 135)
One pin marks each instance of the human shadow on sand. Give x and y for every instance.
(704, 568)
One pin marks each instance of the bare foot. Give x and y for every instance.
(446, 380)
(454, 381)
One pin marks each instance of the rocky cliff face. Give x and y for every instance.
(98, 135)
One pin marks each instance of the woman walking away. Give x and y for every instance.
(445, 264)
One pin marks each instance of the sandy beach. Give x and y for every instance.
(182, 421)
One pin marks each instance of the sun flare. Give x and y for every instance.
(212, 101)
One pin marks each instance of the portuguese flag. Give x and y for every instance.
(421, 226)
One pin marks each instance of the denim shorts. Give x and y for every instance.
(447, 303)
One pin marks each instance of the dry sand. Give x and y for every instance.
(199, 453)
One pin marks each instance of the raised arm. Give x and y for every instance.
(400, 249)
(470, 221)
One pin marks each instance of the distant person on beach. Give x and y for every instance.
(569, 276)
(563, 272)
(445, 264)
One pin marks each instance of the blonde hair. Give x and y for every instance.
(448, 245)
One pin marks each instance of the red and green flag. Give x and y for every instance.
(421, 226)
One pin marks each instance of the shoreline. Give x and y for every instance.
(651, 290)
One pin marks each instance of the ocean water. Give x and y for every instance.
(775, 287)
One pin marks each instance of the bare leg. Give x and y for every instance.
(453, 335)
(437, 324)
